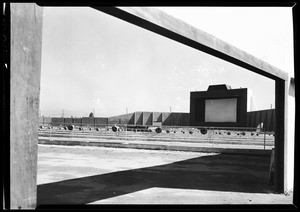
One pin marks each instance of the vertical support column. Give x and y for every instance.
(6, 106)
(291, 174)
(25, 71)
(280, 159)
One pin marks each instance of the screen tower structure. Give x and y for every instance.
(219, 106)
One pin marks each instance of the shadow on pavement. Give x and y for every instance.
(222, 172)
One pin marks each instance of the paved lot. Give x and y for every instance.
(99, 175)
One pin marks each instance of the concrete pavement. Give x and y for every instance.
(96, 175)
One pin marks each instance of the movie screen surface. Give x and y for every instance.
(221, 110)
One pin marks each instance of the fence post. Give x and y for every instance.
(212, 137)
(50, 134)
(264, 138)
(125, 133)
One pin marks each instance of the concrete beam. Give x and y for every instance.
(25, 71)
(163, 24)
(175, 29)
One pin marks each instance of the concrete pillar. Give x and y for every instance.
(280, 159)
(25, 71)
(291, 138)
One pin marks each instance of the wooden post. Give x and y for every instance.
(25, 72)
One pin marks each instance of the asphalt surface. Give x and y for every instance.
(100, 175)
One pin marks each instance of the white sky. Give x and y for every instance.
(91, 60)
(265, 32)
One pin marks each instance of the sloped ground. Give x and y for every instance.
(98, 175)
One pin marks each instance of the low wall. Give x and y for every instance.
(122, 119)
(147, 118)
(68, 121)
(267, 117)
(77, 121)
(138, 118)
(45, 120)
(185, 119)
(166, 118)
(101, 121)
(156, 117)
(57, 121)
(88, 121)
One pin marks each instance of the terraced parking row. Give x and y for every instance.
(175, 135)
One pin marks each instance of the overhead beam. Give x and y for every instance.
(161, 23)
